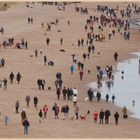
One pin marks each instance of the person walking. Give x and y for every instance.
(5, 83)
(36, 53)
(23, 115)
(63, 110)
(116, 116)
(48, 41)
(45, 110)
(81, 74)
(107, 115)
(40, 114)
(116, 56)
(101, 115)
(71, 69)
(107, 97)
(76, 110)
(64, 92)
(98, 96)
(56, 110)
(45, 60)
(27, 99)
(84, 56)
(90, 95)
(58, 92)
(17, 106)
(36, 101)
(26, 126)
(11, 77)
(2, 62)
(18, 77)
(113, 98)
(95, 116)
(6, 119)
(124, 111)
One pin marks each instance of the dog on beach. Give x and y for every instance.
(49, 88)
(50, 63)
(61, 50)
(83, 117)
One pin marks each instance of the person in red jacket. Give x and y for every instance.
(95, 116)
(45, 110)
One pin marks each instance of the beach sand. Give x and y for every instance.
(14, 20)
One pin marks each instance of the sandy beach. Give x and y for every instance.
(14, 21)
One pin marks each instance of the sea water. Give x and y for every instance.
(135, 23)
(127, 89)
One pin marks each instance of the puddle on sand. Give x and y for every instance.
(125, 90)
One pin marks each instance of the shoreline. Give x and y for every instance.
(117, 104)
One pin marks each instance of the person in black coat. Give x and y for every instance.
(116, 116)
(35, 101)
(116, 56)
(98, 96)
(58, 92)
(26, 126)
(107, 97)
(40, 114)
(107, 115)
(90, 95)
(18, 77)
(39, 83)
(11, 76)
(64, 91)
(45, 60)
(101, 116)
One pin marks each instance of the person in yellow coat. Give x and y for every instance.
(124, 111)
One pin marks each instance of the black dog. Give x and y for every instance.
(61, 50)
(50, 63)
(49, 88)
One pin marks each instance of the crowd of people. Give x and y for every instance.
(108, 17)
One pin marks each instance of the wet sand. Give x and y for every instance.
(15, 24)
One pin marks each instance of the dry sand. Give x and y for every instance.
(14, 20)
